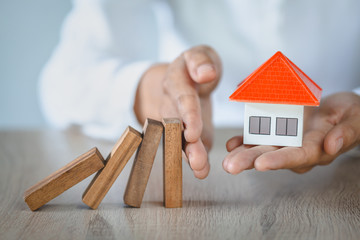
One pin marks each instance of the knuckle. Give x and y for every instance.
(295, 171)
(351, 133)
(301, 170)
(205, 48)
(298, 171)
(188, 107)
(325, 161)
(302, 157)
(168, 110)
(255, 152)
(165, 85)
(208, 143)
(187, 54)
(310, 154)
(201, 51)
(190, 115)
(187, 100)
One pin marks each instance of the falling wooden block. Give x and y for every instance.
(143, 163)
(172, 156)
(116, 161)
(63, 179)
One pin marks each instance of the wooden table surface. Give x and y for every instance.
(321, 204)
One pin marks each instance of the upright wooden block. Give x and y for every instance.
(116, 161)
(172, 157)
(143, 163)
(63, 179)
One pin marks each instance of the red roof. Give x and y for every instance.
(278, 81)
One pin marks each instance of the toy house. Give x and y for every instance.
(275, 95)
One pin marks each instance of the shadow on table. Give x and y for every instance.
(320, 183)
(66, 207)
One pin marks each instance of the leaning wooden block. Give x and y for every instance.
(63, 179)
(143, 163)
(172, 157)
(116, 161)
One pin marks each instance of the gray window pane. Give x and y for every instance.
(292, 124)
(280, 126)
(254, 125)
(265, 125)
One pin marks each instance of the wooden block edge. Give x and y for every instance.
(138, 137)
(155, 124)
(74, 163)
(167, 122)
(58, 172)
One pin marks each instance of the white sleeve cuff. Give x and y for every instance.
(118, 112)
(357, 91)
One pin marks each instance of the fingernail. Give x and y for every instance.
(339, 144)
(260, 166)
(190, 158)
(226, 164)
(205, 68)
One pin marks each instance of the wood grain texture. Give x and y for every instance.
(63, 179)
(172, 163)
(116, 161)
(143, 163)
(321, 204)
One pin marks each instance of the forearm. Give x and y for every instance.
(92, 76)
(99, 98)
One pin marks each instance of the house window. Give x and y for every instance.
(259, 125)
(286, 126)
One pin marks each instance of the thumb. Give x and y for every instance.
(343, 136)
(204, 67)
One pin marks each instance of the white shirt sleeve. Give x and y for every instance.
(92, 76)
(357, 91)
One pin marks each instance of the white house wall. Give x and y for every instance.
(273, 111)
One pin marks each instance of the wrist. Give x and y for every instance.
(149, 92)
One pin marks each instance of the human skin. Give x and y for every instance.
(329, 130)
(182, 89)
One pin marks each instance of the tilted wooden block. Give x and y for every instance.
(63, 179)
(172, 156)
(116, 161)
(143, 163)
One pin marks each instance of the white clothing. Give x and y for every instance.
(106, 46)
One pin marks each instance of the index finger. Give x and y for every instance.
(181, 90)
(196, 72)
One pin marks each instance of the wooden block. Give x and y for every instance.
(143, 163)
(116, 161)
(63, 179)
(172, 157)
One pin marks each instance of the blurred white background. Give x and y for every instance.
(29, 31)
